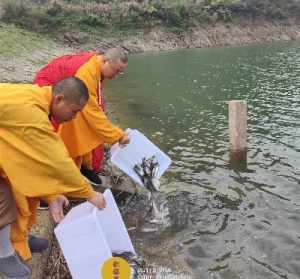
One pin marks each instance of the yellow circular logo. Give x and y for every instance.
(116, 268)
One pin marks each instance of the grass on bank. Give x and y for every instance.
(15, 41)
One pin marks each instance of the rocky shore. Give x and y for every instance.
(217, 35)
(23, 52)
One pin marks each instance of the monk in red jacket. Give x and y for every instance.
(84, 136)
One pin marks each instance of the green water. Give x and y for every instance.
(178, 100)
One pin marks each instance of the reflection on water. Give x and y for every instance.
(242, 223)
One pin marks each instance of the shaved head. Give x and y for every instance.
(72, 88)
(115, 62)
(116, 54)
(69, 96)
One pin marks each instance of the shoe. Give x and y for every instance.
(37, 244)
(13, 267)
(43, 206)
(91, 176)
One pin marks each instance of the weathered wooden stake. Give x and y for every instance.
(238, 133)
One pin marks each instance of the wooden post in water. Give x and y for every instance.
(238, 133)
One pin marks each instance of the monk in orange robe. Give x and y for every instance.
(34, 163)
(84, 136)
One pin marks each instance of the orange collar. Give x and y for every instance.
(101, 63)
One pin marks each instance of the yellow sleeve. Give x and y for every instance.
(34, 158)
(99, 123)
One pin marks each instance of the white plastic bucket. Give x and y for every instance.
(88, 237)
(125, 158)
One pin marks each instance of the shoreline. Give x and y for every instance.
(34, 50)
(202, 36)
(139, 26)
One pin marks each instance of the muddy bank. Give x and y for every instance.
(142, 25)
(28, 58)
(219, 34)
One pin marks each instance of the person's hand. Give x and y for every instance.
(98, 200)
(56, 208)
(124, 140)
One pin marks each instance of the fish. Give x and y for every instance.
(139, 171)
(147, 171)
(155, 184)
(155, 170)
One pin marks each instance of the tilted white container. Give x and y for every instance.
(125, 158)
(88, 237)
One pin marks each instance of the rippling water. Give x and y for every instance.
(243, 224)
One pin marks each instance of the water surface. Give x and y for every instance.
(244, 223)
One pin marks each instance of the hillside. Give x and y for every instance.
(157, 24)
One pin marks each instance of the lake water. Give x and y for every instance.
(244, 223)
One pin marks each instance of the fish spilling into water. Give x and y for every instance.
(147, 170)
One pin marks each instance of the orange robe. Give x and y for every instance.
(33, 158)
(91, 127)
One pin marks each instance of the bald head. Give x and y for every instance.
(116, 54)
(115, 61)
(69, 96)
(72, 88)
